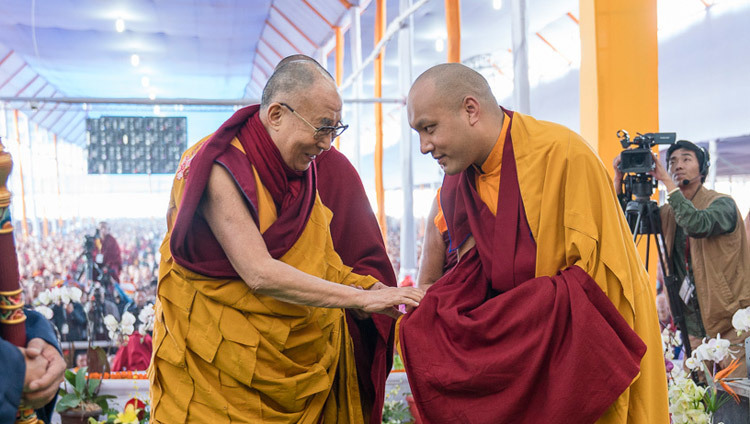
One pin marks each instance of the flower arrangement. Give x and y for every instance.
(56, 295)
(135, 411)
(83, 398)
(396, 411)
(691, 402)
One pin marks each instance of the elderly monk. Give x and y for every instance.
(358, 241)
(250, 312)
(548, 316)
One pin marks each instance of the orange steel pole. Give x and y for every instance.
(318, 13)
(339, 64)
(379, 192)
(276, 52)
(265, 59)
(24, 224)
(453, 26)
(289, 21)
(270, 25)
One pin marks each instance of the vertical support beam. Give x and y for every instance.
(713, 152)
(355, 43)
(57, 178)
(379, 190)
(615, 33)
(339, 64)
(408, 235)
(453, 27)
(519, 28)
(24, 224)
(33, 185)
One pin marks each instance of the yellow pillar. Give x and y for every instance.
(619, 78)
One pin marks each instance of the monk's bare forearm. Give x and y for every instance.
(226, 213)
(433, 252)
(276, 279)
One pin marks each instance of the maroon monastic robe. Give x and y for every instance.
(492, 343)
(357, 239)
(354, 230)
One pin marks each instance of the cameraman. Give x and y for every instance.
(110, 259)
(705, 239)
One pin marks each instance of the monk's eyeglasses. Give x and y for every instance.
(325, 130)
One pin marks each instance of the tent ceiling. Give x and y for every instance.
(225, 49)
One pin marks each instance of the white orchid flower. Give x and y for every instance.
(65, 296)
(691, 363)
(55, 294)
(44, 297)
(111, 323)
(128, 319)
(45, 311)
(127, 330)
(741, 320)
(75, 294)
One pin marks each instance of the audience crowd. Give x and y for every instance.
(70, 258)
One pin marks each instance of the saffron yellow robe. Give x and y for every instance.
(575, 219)
(224, 354)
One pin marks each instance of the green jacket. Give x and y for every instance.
(719, 255)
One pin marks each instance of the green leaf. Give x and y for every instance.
(93, 385)
(71, 377)
(102, 402)
(69, 401)
(709, 377)
(81, 382)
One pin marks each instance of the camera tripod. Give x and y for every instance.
(643, 218)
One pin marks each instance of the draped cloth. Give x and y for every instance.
(223, 353)
(493, 341)
(358, 241)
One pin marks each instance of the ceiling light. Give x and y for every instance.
(135, 60)
(152, 95)
(85, 106)
(497, 4)
(439, 45)
(120, 25)
(145, 81)
(157, 110)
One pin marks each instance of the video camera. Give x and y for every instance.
(89, 243)
(639, 161)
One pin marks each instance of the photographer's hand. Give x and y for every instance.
(617, 179)
(661, 174)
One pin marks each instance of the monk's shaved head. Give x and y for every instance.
(450, 83)
(293, 76)
(456, 116)
(301, 57)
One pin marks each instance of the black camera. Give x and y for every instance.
(636, 163)
(89, 243)
(639, 159)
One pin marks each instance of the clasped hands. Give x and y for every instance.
(45, 369)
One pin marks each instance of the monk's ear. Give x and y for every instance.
(273, 115)
(471, 109)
